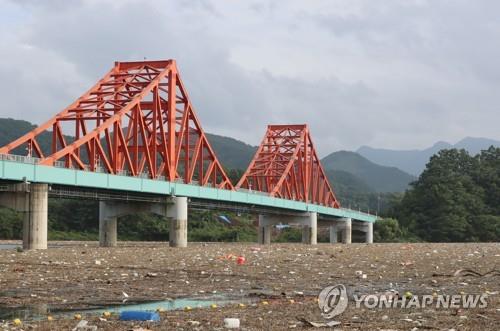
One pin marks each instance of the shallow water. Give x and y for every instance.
(41, 311)
(9, 246)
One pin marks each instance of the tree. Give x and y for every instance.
(11, 224)
(455, 198)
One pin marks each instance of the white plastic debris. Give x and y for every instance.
(232, 323)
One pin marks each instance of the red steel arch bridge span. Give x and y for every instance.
(134, 142)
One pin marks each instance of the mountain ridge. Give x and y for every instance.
(413, 161)
(382, 179)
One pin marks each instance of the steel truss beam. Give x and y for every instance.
(286, 166)
(137, 120)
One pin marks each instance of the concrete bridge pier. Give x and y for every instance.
(308, 222)
(334, 234)
(108, 223)
(178, 214)
(32, 201)
(347, 231)
(175, 209)
(265, 228)
(310, 229)
(367, 228)
(369, 233)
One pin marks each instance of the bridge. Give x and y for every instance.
(133, 142)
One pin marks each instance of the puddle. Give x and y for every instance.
(9, 246)
(41, 311)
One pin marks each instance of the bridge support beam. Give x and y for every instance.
(347, 231)
(334, 234)
(310, 229)
(308, 222)
(108, 219)
(265, 230)
(369, 233)
(178, 214)
(367, 228)
(32, 201)
(35, 217)
(110, 211)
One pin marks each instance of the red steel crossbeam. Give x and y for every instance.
(286, 166)
(137, 119)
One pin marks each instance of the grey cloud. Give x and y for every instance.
(398, 74)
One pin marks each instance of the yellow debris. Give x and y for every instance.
(292, 301)
(188, 308)
(213, 306)
(17, 322)
(265, 303)
(78, 316)
(106, 314)
(50, 318)
(408, 294)
(242, 305)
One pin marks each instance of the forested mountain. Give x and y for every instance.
(379, 178)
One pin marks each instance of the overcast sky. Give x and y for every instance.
(394, 74)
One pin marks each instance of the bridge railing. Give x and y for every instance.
(19, 158)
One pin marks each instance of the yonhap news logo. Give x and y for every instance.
(333, 301)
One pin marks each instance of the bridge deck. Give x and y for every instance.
(21, 170)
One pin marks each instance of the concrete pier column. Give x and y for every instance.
(334, 235)
(369, 233)
(347, 231)
(35, 217)
(108, 221)
(178, 214)
(108, 233)
(310, 230)
(264, 231)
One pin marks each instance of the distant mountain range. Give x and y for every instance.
(414, 161)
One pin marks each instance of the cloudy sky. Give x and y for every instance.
(394, 74)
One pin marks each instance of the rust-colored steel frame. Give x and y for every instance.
(286, 166)
(137, 119)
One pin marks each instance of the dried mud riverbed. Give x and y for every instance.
(278, 284)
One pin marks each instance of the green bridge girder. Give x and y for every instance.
(21, 171)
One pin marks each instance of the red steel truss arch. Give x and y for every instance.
(286, 165)
(137, 120)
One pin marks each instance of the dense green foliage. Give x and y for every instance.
(10, 224)
(388, 230)
(456, 198)
(78, 220)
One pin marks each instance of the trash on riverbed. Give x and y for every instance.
(133, 315)
(241, 260)
(318, 324)
(470, 272)
(232, 323)
(83, 326)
